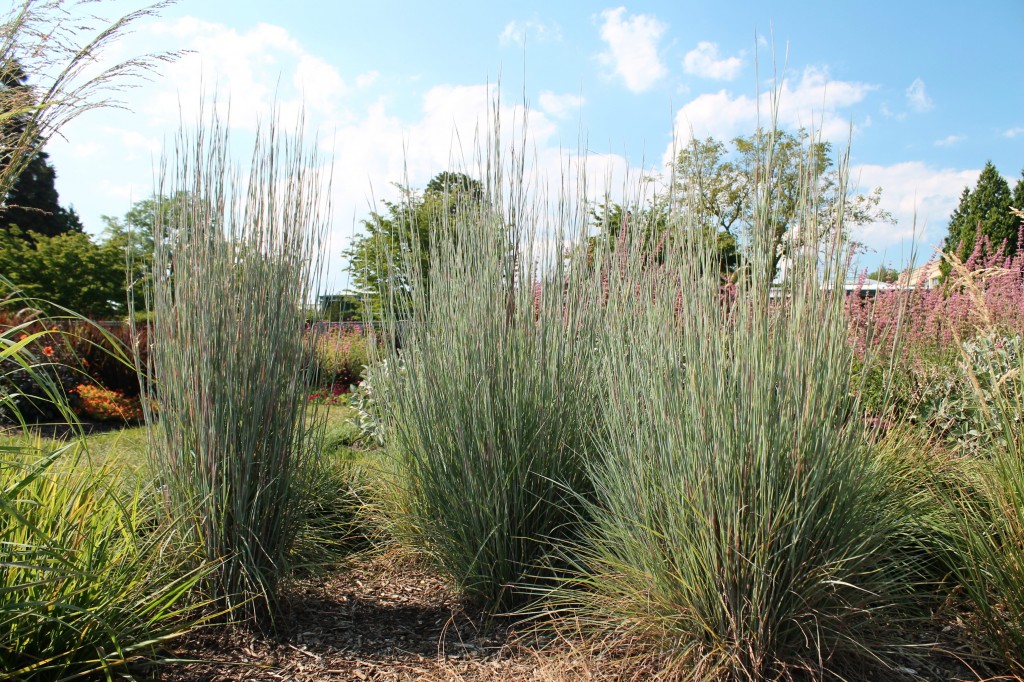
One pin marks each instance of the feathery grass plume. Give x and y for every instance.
(48, 40)
(489, 393)
(741, 528)
(235, 261)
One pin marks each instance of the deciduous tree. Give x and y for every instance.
(395, 244)
(68, 271)
(767, 179)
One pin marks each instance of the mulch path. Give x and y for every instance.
(383, 618)
(386, 618)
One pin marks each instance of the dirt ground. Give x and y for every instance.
(387, 618)
(384, 618)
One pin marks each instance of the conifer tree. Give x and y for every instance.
(1017, 200)
(983, 212)
(34, 205)
(31, 202)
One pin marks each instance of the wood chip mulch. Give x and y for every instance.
(386, 618)
(383, 618)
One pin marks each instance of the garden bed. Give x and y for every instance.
(387, 618)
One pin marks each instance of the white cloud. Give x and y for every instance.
(85, 149)
(921, 198)
(917, 97)
(319, 83)
(704, 61)
(368, 145)
(1013, 132)
(366, 148)
(948, 140)
(560, 106)
(365, 80)
(137, 142)
(633, 47)
(811, 102)
(252, 68)
(381, 148)
(518, 32)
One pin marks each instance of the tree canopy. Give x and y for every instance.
(775, 178)
(394, 246)
(649, 224)
(883, 273)
(68, 270)
(984, 213)
(72, 270)
(791, 174)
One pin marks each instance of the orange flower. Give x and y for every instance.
(48, 351)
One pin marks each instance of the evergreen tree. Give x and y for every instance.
(34, 205)
(32, 202)
(983, 212)
(957, 221)
(1017, 201)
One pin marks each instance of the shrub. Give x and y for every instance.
(334, 395)
(985, 293)
(70, 351)
(230, 375)
(990, 544)
(36, 381)
(102, 405)
(106, 354)
(369, 399)
(341, 354)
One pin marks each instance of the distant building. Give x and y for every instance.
(341, 307)
(867, 288)
(925, 276)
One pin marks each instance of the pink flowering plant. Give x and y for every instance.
(932, 335)
(341, 354)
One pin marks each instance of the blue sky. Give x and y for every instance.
(925, 92)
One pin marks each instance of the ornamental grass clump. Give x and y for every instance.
(741, 527)
(490, 416)
(95, 582)
(236, 257)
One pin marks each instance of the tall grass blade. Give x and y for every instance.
(740, 529)
(235, 262)
(489, 389)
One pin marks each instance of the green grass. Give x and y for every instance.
(94, 580)
(235, 444)
(988, 549)
(742, 528)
